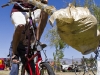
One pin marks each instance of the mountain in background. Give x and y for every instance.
(68, 61)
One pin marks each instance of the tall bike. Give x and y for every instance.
(85, 69)
(41, 67)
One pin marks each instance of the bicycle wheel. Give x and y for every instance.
(46, 69)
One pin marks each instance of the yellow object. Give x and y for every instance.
(77, 27)
(0, 62)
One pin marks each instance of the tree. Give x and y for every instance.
(56, 42)
(91, 60)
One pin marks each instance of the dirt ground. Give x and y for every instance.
(61, 73)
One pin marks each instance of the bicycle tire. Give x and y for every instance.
(46, 69)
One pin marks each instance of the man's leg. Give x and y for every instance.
(14, 67)
(17, 37)
(41, 18)
(42, 24)
(19, 21)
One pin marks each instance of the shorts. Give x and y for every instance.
(21, 17)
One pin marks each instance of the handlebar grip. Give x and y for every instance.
(4, 5)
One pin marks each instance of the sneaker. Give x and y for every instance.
(42, 45)
(38, 43)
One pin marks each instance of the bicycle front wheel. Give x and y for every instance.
(46, 69)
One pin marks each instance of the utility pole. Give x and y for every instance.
(72, 60)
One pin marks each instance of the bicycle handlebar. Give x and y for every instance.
(19, 4)
(6, 5)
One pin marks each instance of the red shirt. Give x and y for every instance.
(17, 8)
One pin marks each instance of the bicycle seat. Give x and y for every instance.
(40, 45)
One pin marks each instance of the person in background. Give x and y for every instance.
(14, 66)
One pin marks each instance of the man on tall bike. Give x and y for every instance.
(20, 17)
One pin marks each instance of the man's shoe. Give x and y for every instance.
(43, 45)
(38, 43)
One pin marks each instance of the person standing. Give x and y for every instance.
(14, 66)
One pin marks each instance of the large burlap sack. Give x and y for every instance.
(77, 27)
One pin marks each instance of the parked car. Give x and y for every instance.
(66, 68)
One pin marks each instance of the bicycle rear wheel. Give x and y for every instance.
(46, 69)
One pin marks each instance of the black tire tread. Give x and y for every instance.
(48, 67)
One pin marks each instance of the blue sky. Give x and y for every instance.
(7, 29)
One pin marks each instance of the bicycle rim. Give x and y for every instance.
(46, 69)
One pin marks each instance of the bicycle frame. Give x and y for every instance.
(39, 60)
(38, 53)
